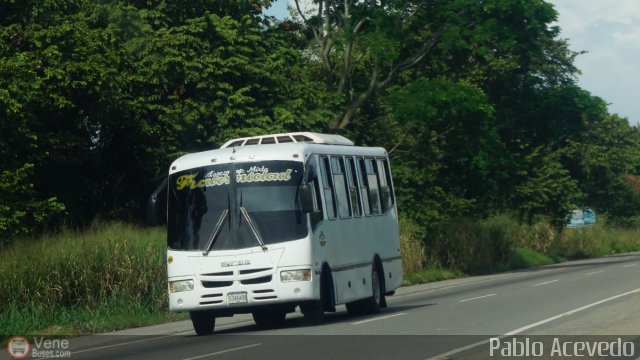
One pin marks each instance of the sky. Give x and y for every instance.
(609, 32)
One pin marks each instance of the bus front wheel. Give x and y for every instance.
(269, 318)
(203, 321)
(313, 311)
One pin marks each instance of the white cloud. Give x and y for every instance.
(579, 14)
(630, 38)
(608, 30)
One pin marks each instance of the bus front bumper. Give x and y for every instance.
(207, 295)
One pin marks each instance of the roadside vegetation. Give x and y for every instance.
(501, 243)
(491, 139)
(113, 275)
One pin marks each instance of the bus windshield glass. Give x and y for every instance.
(201, 198)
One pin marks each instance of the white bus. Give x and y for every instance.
(268, 223)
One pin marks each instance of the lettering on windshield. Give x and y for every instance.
(212, 178)
(260, 174)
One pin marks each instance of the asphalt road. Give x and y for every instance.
(590, 301)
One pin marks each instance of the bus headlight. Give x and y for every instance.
(295, 275)
(180, 285)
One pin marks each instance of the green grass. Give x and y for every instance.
(522, 258)
(111, 276)
(597, 240)
(114, 315)
(430, 275)
(500, 243)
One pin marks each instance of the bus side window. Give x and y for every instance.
(372, 182)
(364, 189)
(352, 182)
(328, 188)
(385, 185)
(337, 165)
(316, 215)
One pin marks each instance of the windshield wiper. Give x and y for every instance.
(254, 228)
(216, 231)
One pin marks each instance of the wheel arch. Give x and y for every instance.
(327, 284)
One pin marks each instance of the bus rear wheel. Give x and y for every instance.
(203, 321)
(373, 304)
(355, 308)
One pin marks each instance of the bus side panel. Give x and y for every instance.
(392, 274)
(349, 247)
(353, 284)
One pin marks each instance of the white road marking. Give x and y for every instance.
(377, 318)
(235, 324)
(477, 297)
(630, 265)
(545, 283)
(530, 326)
(542, 322)
(413, 294)
(120, 344)
(459, 350)
(595, 272)
(223, 351)
(508, 276)
(159, 337)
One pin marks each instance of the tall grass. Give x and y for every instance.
(411, 247)
(597, 240)
(114, 275)
(474, 246)
(501, 242)
(65, 280)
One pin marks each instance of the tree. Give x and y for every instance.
(98, 98)
(363, 47)
(444, 158)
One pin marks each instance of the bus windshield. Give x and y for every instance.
(206, 206)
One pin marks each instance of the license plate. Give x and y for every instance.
(237, 297)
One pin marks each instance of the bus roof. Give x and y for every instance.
(293, 137)
(265, 152)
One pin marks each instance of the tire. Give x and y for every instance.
(355, 308)
(203, 321)
(269, 318)
(313, 311)
(373, 304)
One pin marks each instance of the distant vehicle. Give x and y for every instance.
(268, 223)
(581, 217)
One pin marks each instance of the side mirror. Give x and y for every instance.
(157, 206)
(153, 211)
(306, 198)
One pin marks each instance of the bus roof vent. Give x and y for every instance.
(294, 137)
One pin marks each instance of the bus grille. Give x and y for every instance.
(216, 284)
(210, 299)
(259, 280)
(264, 294)
(251, 271)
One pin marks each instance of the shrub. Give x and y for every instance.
(46, 277)
(411, 246)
